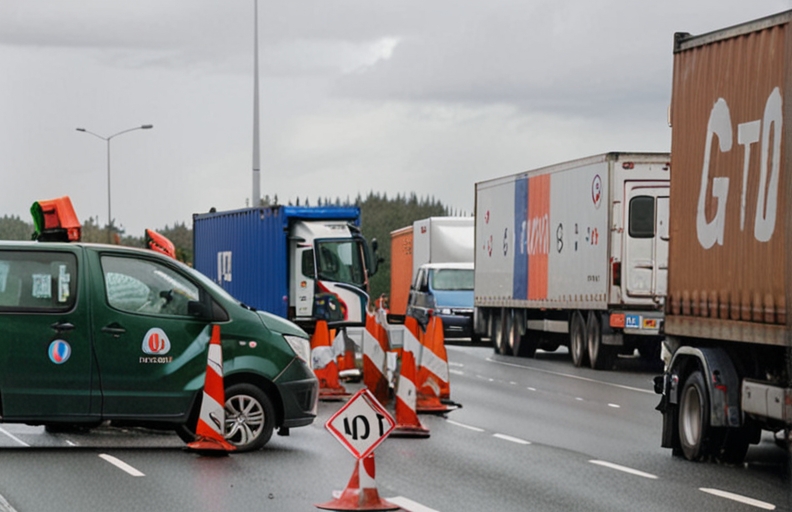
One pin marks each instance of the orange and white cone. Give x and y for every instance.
(361, 491)
(375, 360)
(323, 359)
(211, 420)
(344, 349)
(433, 383)
(407, 422)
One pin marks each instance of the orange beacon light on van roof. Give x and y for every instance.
(160, 243)
(55, 220)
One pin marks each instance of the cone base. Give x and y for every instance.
(209, 446)
(333, 394)
(414, 431)
(434, 408)
(357, 499)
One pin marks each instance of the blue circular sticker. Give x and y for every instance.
(59, 351)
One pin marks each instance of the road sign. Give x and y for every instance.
(361, 424)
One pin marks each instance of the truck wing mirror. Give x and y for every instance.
(209, 311)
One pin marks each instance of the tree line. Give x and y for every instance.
(379, 216)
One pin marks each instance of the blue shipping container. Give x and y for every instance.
(247, 251)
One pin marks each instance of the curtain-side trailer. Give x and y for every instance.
(574, 254)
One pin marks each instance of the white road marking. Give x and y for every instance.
(578, 399)
(13, 437)
(71, 443)
(120, 464)
(456, 364)
(741, 499)
(531, 389)
(623, 468)
(5, 506)
(512, 383)
(630, 388)
(456, 372)
(408, 504)
(615, 406)
(511, 439)
(474, 429)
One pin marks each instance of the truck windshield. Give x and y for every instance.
(340, 261)
(452, 279)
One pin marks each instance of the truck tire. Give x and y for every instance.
(735, 445)
(527, 344)
(577, 339)
(506, 338)
(601, 357)
(496, 331)
(694, 417)
(249, 418)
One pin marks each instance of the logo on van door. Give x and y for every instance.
(59, 351)
(156, 342)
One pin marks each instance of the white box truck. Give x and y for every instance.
(574, 254)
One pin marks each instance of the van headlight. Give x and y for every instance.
(301, 347)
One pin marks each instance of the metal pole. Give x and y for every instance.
(255, 198)
(107, 140)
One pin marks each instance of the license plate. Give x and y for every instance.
(632, 322)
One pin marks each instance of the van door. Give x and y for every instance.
(46, 365)
(150, 350)
(646, 241)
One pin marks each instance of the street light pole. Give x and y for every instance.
(107, 140)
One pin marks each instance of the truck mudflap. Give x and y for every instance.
(721, 378)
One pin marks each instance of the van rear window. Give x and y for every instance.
(37, 281)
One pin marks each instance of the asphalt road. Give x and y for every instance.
(533, 434)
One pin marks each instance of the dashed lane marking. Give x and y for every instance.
(120, 464)
(13, 437)
(624, 469)
(474, 429)
(455, 372)
(511, 439)
(620, 386)
(615, 406)
(736, 497)
(409, 505)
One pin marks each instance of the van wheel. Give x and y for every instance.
(249, 418)
(577, 339)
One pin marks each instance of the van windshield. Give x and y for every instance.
(340, 261)
(452, 279)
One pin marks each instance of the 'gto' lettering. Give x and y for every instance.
(748, 133)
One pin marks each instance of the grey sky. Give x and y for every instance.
(356, 96)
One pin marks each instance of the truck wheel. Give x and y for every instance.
(249, 418)
(577, 339)
(495, 331)
(601, 356)
(694, 413)
(527, 345)
(506, 338)
(735, 445)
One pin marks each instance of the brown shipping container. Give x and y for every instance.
(730, 229)
(401, 269)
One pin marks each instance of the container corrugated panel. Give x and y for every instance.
(246, 251)
(401, 269)
(728, 268)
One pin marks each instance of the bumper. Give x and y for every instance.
(457, 326)
(299, 390)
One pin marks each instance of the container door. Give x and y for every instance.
(645, 264)
(149, 349)
(46, 364)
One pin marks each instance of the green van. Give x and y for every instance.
(90, 333)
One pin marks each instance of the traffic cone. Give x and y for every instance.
(374, 360)
(361, 491)
(407, 422)
(324, 364)
(347, 364)
(432, 384)
(211, 420)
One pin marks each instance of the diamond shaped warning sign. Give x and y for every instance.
(361, 424)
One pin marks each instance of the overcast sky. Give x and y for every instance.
(427, 96)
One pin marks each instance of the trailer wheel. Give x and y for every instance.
(694, 413)
(497, 334)
(506, 334)
(577, 339)
(601, 356)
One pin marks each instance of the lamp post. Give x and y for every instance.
(107, 139)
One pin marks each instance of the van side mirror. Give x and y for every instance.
(207, 310)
